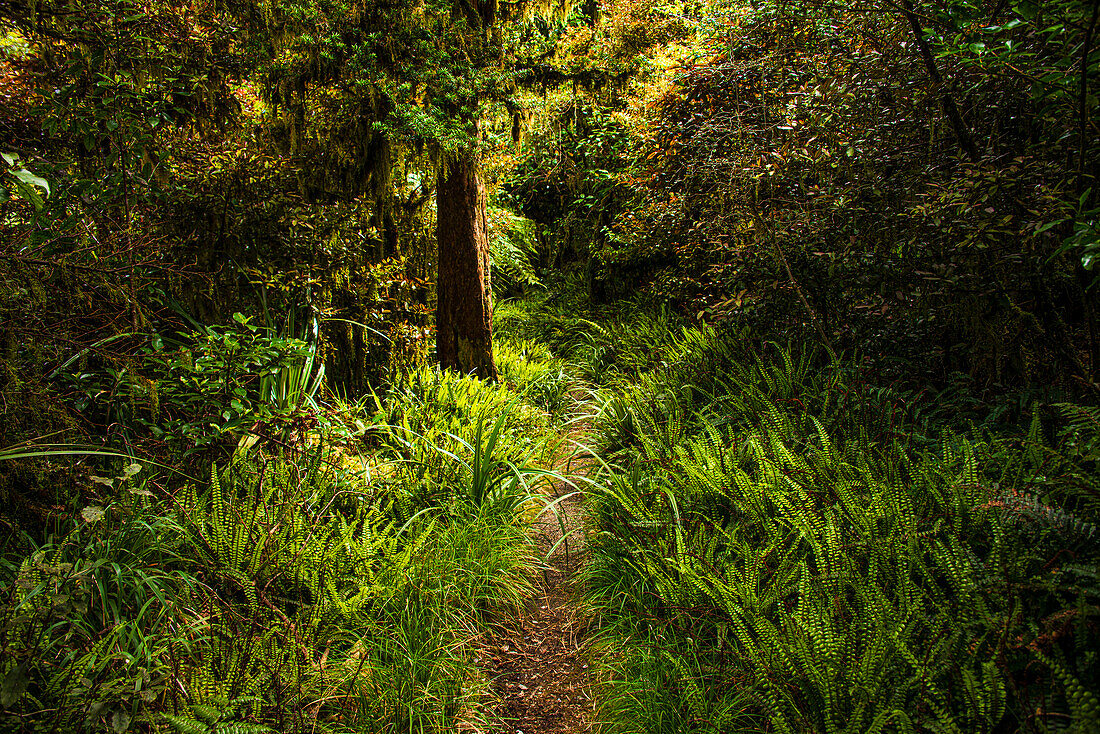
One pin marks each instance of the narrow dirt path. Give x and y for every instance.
(536, 661)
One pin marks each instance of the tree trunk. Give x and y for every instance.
(464, 312)
(950, 109)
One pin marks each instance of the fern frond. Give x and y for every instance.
(186, 725)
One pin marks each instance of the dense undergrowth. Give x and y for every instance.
(781, 544)
(779, 541)
(333, 588)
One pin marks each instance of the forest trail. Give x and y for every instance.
(537, 660)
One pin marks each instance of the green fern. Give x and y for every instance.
(217, 717)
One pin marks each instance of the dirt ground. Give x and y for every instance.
(536, 660)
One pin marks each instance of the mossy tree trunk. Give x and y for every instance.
(464, 312)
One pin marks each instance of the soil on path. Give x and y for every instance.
(536, 660)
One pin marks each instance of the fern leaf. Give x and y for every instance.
(185, 725)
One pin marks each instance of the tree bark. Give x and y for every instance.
(464, 310)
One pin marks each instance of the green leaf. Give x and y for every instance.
(208, 714)
(30, 193)
(185, 725)
(14, 685)
(120, 721)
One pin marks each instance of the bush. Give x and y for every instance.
(214, 385)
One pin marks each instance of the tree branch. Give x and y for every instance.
(962, 135)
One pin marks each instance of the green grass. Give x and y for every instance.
(336, 590)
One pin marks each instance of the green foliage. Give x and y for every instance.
(570, 181)
(462, 443)
(543, 380)
(795, 171)
(216, 719)
(286, 595)
(610, 345)
(91, 619)
(553, 318)
(216, 383)
(768, 557)
(25, 183)
(786, 538)
(513, 243)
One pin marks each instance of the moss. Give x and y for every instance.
(476, 356)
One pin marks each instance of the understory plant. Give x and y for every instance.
(322, 590)
(206, 389)
(543, 380)
(779, 546)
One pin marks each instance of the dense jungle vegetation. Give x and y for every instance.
(786, 313)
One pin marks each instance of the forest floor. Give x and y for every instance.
(537, 659)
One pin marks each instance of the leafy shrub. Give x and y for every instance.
(215, 384)
(91, 620)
